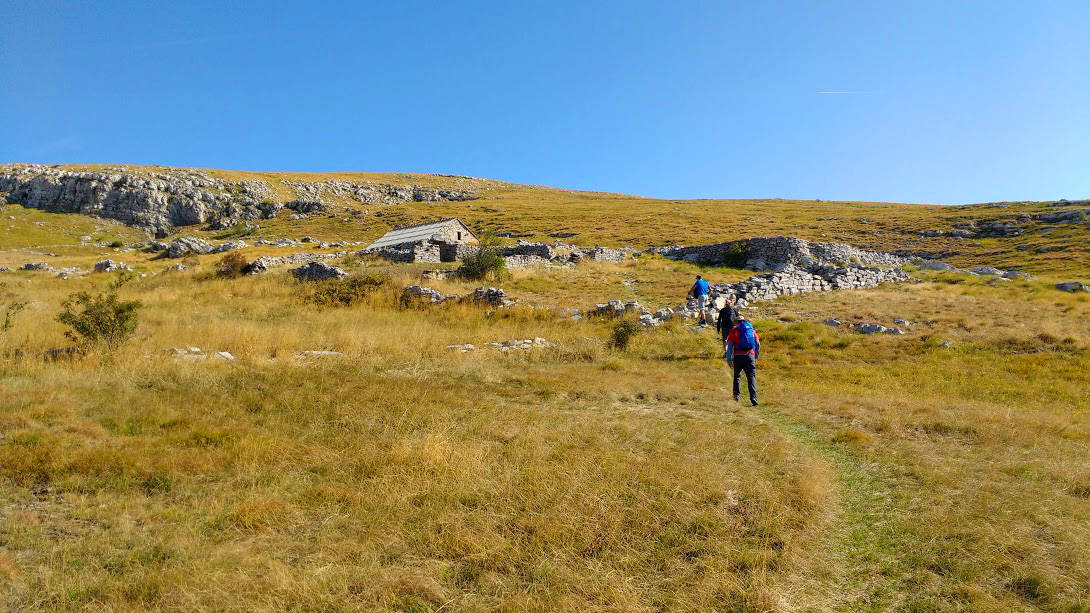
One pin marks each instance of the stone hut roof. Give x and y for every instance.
(416, 234)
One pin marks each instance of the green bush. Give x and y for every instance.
(99, 319)
(485, 262)
(345, 293)
(117, 244)
(734, 254)
(623, 331)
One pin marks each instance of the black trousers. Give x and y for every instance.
(745, 363)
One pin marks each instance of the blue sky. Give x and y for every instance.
(942, 102)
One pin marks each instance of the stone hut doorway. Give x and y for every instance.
(448, 252)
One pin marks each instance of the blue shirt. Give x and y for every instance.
(701, 288)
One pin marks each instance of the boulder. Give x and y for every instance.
(1062, 217)
(183, 247)
(37, 266)
(111, 266)
(1073, 287)
(318, 271)
(230, 246)
(489, 295)
(416, 293)
(986, 271)
(877, 329)
(258, 266)
(937, 266)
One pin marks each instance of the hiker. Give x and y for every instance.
(700, 291)
(724, 322)
(743, 349)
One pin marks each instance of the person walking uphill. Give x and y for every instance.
(700, 291)
(743, 349)
(724, 322)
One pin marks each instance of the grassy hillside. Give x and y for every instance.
(613, 219)
(880, 473)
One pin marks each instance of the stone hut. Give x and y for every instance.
(445, 240)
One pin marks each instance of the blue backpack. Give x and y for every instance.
(745, 336)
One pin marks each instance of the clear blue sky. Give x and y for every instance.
(948, 101)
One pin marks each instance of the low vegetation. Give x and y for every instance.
(485, 262)
(99, 319)
(942, 470)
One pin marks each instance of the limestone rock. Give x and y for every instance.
(1070, 286)
(111, 266)
(416, 293)
(489, 295)
(183, 247)
(318, 271)
(877, 329)
(230, 246)
(936, 266)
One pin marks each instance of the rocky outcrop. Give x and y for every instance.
(779, 253)
(373, 193)
(1073, 287)
(264, 263)
(878, 329)
(318, 271)
(159, 202)
(189, 246)
(493, 296)
(416, 293)
(111, 266)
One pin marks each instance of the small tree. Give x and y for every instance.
(100, 319)
(486, 261)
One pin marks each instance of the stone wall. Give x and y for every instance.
(777, 253)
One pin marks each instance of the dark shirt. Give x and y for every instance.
(725, 321)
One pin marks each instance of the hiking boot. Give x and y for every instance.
(737, 399)
(755, 403)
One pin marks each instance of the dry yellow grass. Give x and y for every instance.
(882, 473)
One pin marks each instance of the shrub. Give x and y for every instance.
(100, 319)
(345, 293)
(10, 309)
(231, 265)
(485, 262)
(116, 244)
(734, 254)
(623, 331)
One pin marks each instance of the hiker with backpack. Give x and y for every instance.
(724, 322)
(743, 349)
(700, 291)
